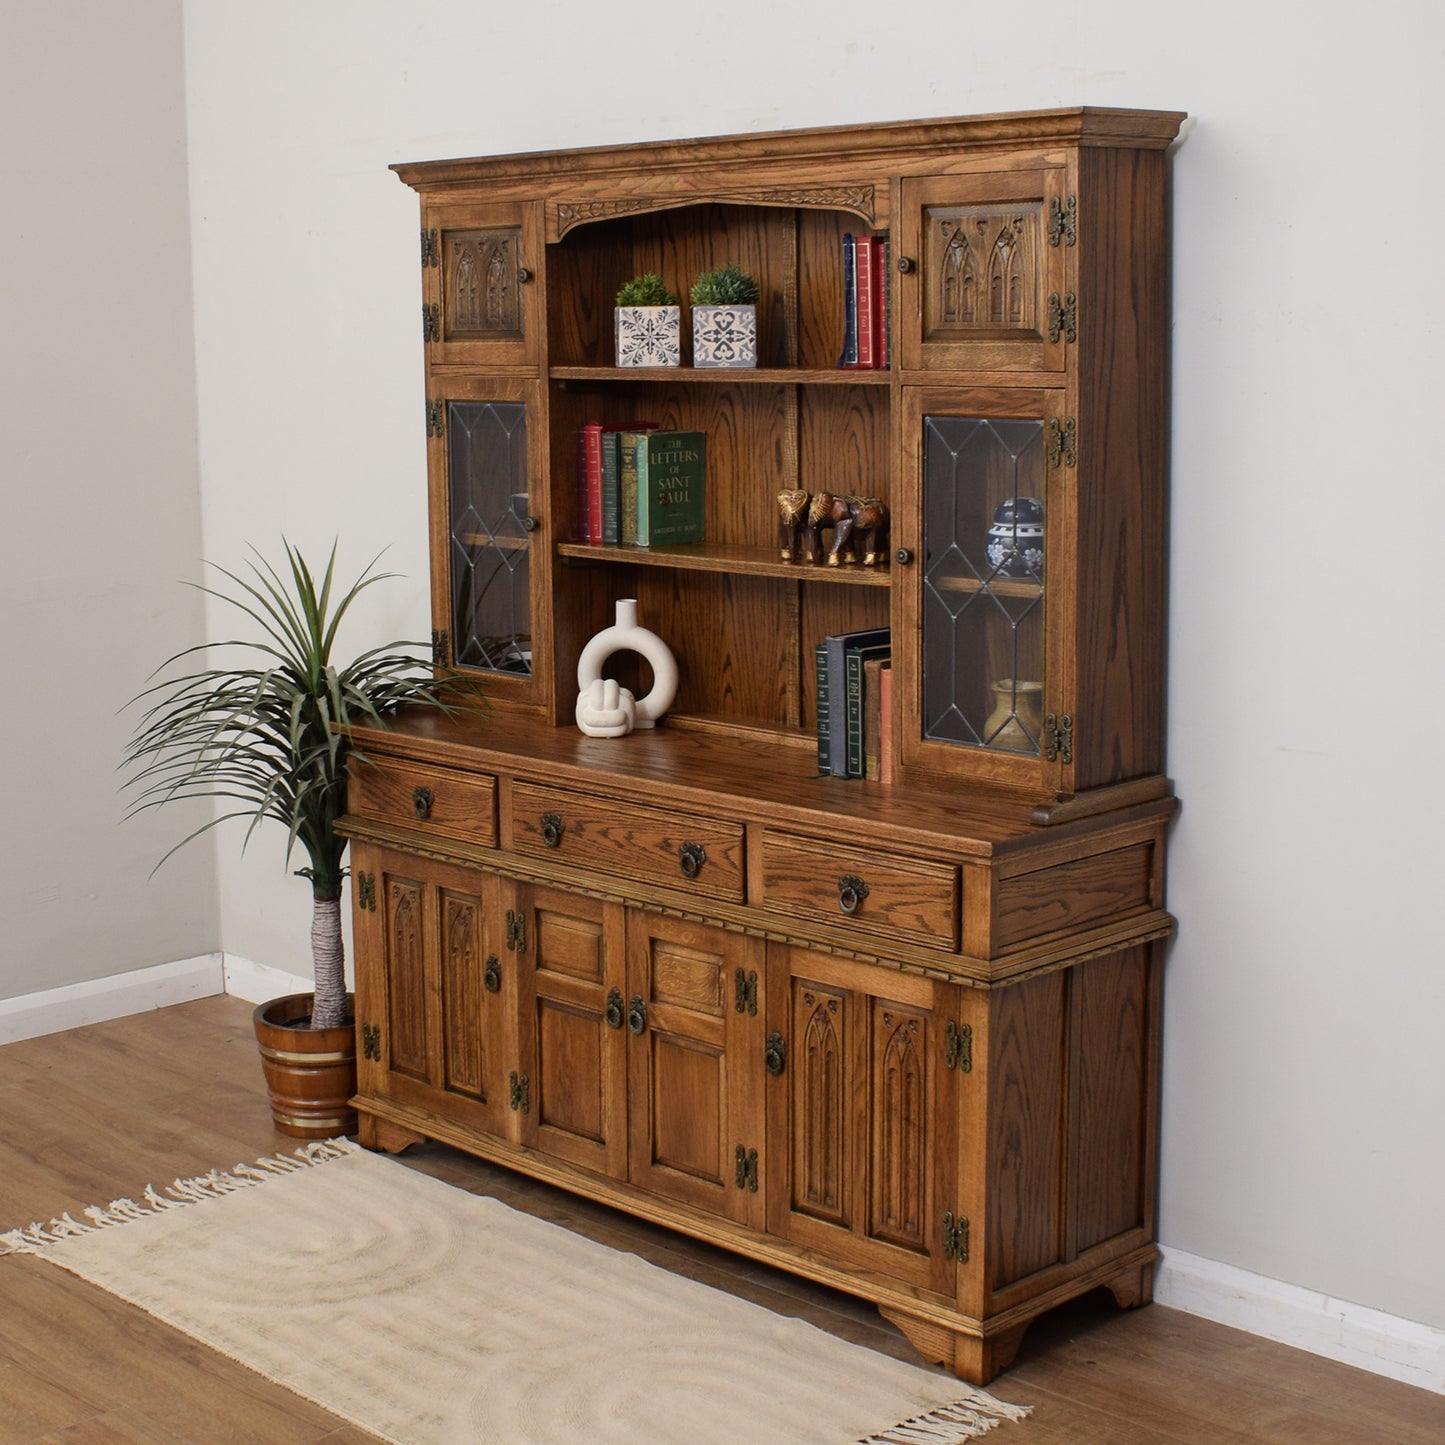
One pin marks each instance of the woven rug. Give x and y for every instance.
(431, 1316)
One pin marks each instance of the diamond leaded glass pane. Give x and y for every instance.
(983, 584)
(491, 573)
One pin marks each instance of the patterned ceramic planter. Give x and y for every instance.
(649, 335)
(724, 335)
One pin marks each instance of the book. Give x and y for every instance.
(873, 716)
(854, 661)
(820, 662)
(612, 476)
(627, 486)
(849, 355)
(885, 723)
(883, 298)
(590, 461)
(671, 475)
(865, 279)
(837, 648)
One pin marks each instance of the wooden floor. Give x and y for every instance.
(97, 1113)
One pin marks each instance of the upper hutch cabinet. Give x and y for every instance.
(900, 1037)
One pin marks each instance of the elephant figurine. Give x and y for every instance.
(793, 523)
(859, 526)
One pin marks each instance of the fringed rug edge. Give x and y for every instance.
(37, 1238)
(969, 1418)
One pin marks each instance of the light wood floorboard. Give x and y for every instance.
(98, 1113)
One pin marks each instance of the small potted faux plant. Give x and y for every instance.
(724, 318)
(648, 323)
(270, 731)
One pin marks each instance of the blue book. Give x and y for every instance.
(838, 646)
(850, 302)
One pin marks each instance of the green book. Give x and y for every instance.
(627, 444)
(670, 481)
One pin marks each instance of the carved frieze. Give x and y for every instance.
(858, 198)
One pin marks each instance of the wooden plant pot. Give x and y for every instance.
(310, 1073)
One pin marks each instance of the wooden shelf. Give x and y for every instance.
(722, 557)
(999, 586)
(709, 375)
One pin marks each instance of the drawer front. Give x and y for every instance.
(447, 803)
(882, 894)
(652, 845)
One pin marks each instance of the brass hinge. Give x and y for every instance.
(520, 1090)
(1063, 443)
(436, 415)
(431, 248)
(746, 1161)
(1064, 317)
(745, 991)
(441, 647)
(366, 891)
(955, 1237)
(371, 1042)
(516, 931)
(1064, 221)
(958, 1047)
(1059, 738)
(431, 321)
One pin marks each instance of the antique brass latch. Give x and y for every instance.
(435, 418)
(1062, 446)
(1064, 221)
(492, 974)
(441, 647)
(520, 1093)
(431, 251)
(1064, 317)
(746, 1161)
(371, 1042)
(366, 892)
(1059, 738)
(958, 1047)
(775, 1054)
(955, 1237)
(431, 321)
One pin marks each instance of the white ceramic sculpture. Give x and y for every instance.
(605, 710)
(625, 636)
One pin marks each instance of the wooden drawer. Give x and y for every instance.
(914, 899)
(652, 845)
(448, 803)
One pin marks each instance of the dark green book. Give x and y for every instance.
(825, 737)
(838, 646)
(670, 481)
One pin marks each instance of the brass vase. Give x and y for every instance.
(1017, 721)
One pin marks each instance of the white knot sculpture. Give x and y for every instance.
(624, 636)
(605, 710)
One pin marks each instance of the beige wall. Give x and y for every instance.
(101, 503)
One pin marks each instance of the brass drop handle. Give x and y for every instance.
(903, 556)
(492, 975)
(690, 858)
(775, 1055)
(421, 802)
(637, 1015)
(852, 890)
(905, 264)
(524, 274)
(552, 829)
(613, 1012)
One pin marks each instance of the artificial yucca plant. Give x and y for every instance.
(275, 736)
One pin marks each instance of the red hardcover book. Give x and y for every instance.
(592, 474)
(866, 270)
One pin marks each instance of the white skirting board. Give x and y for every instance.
(257, 982)
(97, 1000)
(1350, 1333)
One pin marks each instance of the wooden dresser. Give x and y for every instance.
(901, 1037)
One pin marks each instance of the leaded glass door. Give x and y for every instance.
(484, 464)
(984, 697)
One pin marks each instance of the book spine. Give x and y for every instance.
(872, 716)
(644, 508)
(884, 298)
(838, 711)
(865, 266)
(885, 723)
(853, 715)
(611, 494)
(583, 525)
(675, 491)
(849, 356)
(627, 485)
(820, 662)
(592, 438)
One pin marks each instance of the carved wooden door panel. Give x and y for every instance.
(569, 1089)
(694, 1021)
(431, 1013)
(481, 284)
(988, 287)
(860, 1115)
